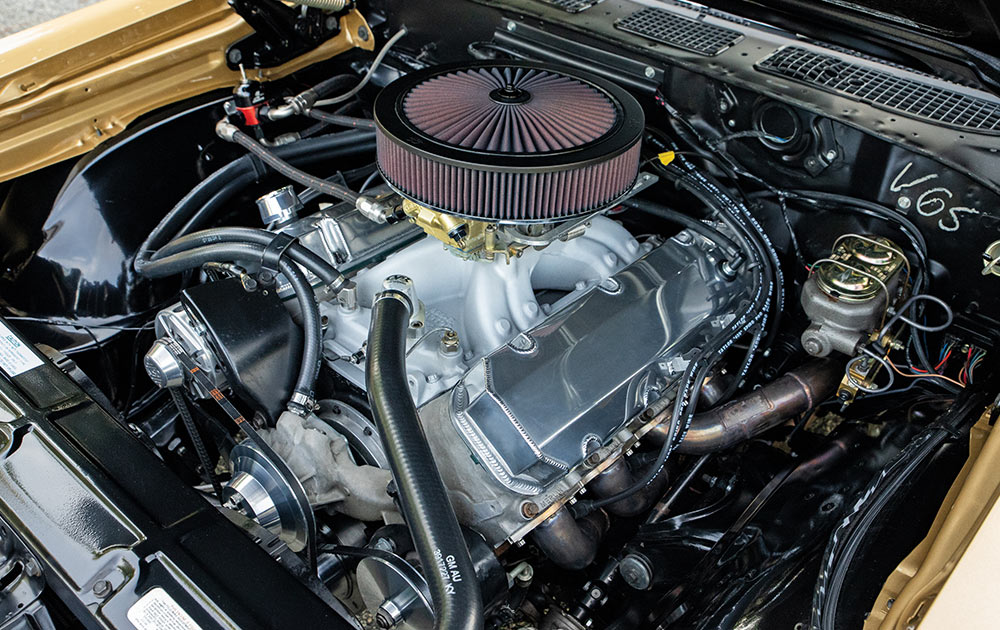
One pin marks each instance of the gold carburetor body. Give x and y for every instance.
(467, 236)
(472, 238)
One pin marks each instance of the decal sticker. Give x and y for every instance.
(15, 357)
(156, 610)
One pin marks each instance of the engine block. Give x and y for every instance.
(522, 368)
(473, 306)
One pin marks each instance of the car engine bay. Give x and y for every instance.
(541, 314)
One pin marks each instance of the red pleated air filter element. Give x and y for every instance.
(508, 141)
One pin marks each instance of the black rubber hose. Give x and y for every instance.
(341, 121)
(232, 187)
(226, 192)
(333, 84)
(297, 252)
(275, 161)
(250, 254)
(214, 191)
(424, 500)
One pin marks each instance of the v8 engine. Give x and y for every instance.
(538, 328)
(584, 316)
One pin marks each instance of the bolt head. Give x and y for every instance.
(830, 155)
(812, 346)
(363, 33)
(650, 72)
(904, 203)
(511, 26)
(102, 588)
(450, 343)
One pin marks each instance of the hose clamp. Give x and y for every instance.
(300, 404)
(271, 257)
(394, 295)
(399, 287)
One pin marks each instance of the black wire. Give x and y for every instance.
(868, 208)
(755, 242)
(133, 369)
(791, 233)
(729, 172)
(713, 188)
(672, 216)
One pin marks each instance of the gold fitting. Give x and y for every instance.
(468, 237)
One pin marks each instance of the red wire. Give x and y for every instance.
(964, 374)
(943, 361)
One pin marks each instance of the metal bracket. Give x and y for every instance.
(281, 33)
(567, 229)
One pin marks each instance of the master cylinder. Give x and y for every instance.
(848, 294)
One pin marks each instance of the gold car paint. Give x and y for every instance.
(930, 586)
(69, 84)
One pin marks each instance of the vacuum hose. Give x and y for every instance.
(437, 537)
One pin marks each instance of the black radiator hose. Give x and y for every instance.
(204, 200)
(437, 537)
(298, 253)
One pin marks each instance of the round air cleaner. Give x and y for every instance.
(508, 141)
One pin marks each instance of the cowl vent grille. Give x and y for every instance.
(884, 89)
(572, 6)
(678, 31)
